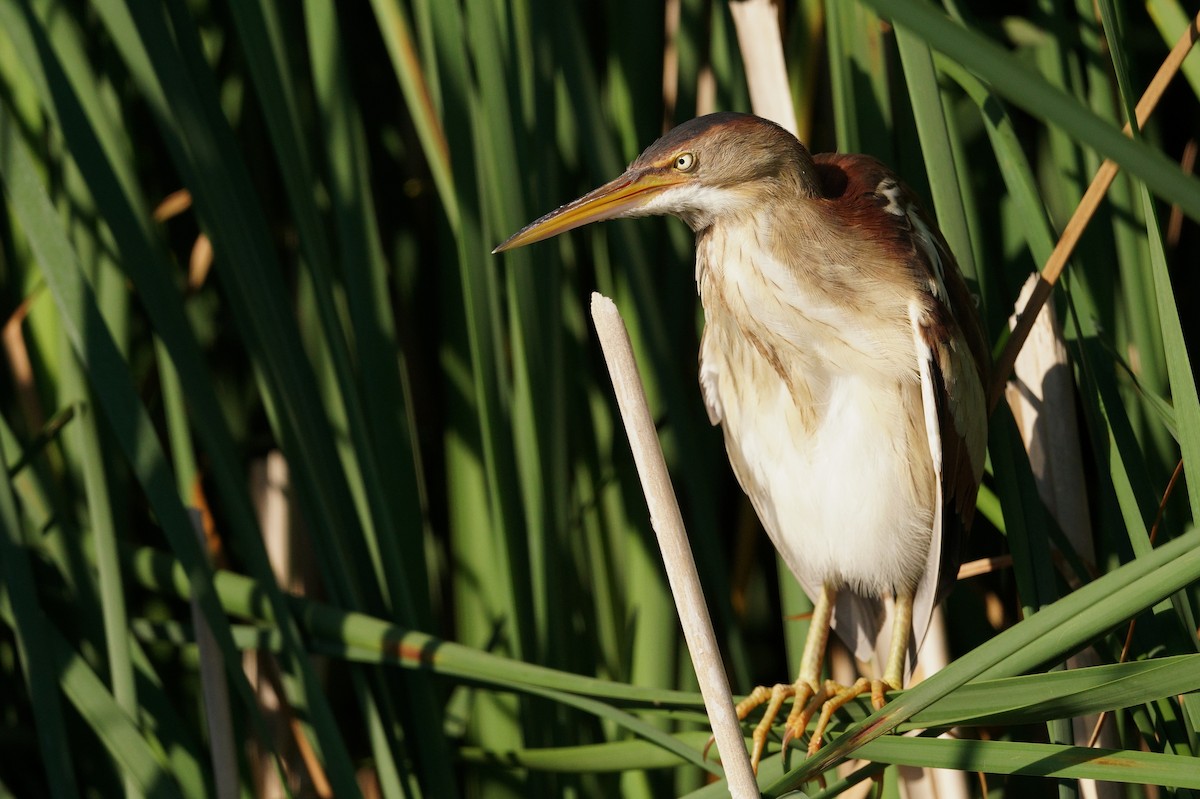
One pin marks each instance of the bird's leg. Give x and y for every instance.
(808, 684)
(893, 675)
(833, 696)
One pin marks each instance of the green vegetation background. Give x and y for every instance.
(457, 474)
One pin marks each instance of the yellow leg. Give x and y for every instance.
(894, 674)
(810, 665)
(818, 637)
(834, 696)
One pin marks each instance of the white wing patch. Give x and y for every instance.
(924, 238)
(927, 588)
(890, 189)
(929, 401)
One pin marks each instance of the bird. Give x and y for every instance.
(844, 359)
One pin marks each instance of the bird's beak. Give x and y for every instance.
(634, 188)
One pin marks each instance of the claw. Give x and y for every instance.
(878, 687)
(838, 696)
(803, 707)
(773, 697)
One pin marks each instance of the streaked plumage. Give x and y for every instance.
(841, 355)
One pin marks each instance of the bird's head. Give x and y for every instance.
(714, 165)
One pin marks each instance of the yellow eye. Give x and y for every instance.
(685, 161)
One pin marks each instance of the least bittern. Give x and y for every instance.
(843, 357)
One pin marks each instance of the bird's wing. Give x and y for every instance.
(927, 594)
(948, 346)
(944, 321)
(708, 381)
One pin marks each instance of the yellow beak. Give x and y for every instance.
(631, 190)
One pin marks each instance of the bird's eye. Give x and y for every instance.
(685, 161)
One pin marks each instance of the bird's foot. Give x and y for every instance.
(829, 700)
(773, 697)
(806, 701)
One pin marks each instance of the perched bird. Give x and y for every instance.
(843, 357)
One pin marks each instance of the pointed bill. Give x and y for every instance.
(620, 197)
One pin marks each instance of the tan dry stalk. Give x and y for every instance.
(673, 542)
(759, 39)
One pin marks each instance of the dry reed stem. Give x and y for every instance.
(672, 541)
(975, 568)
(1042, 398)
(199, 263)
(670, 88)
(759, 39)
(1187, 163)
(173, 205)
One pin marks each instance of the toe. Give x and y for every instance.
(777, 695)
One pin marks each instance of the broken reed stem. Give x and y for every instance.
(672, 541)
(1082, 216)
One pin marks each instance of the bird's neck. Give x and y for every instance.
(756, 243)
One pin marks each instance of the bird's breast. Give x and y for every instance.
(822, 416)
